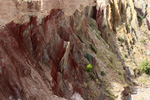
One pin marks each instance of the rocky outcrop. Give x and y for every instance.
(45, 46)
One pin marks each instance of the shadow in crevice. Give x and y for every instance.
(94, 13)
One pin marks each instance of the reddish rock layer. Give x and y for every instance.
(37, 57)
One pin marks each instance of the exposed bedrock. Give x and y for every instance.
(46, 47)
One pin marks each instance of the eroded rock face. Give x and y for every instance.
(45, 46)
(34, 54)
(44, 54)
(40, 60)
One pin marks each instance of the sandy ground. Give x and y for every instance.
(143, 93)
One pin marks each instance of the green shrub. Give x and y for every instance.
(88, 67)
(145, 67)
(102, 73)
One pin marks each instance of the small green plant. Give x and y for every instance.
(143, 41)
(145, 67)
(88, 67)
(105, 26)
(102, 73)
(89, 57)
(131, 90)
(121, 39)
(140, 17)
(128, 28)
(123, 58)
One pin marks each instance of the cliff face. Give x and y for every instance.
(45, 47)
